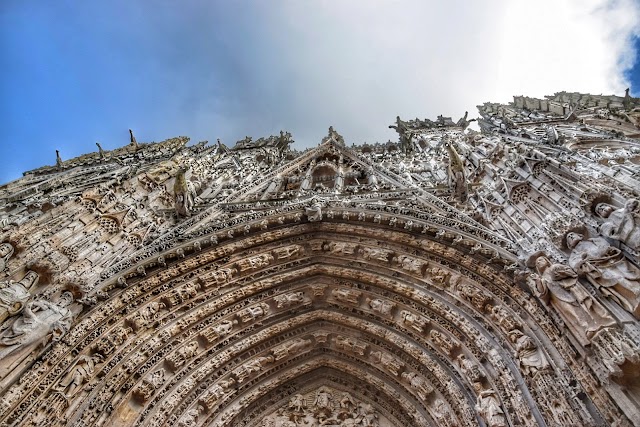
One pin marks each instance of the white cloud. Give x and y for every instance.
(357, 64)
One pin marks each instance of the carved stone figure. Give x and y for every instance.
(607, 268)
(469, 369)
(323, 403)
(145, 317)
(387, 360)
(558, 286)
(254, 262)
(180, 357)
(190, 418)
(375, 254)
(505, 319)
(288, 252)
(39, 320)
(185, 194)
(291, 348)
(488, 406)
(314, 213)
(621, 224)
(6, 250)
(445, 343)
(381, 306)
(289, 300)
(413, 320)
(14, 295)
(78, 375)
(349, 296)
(422, 388)
(255, 312)
(218, 331)
(531, 358)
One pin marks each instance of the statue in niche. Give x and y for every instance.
(607, 268)
(488, 406)
(185, 194)
(79, 374)
(621, 224)
(14, 295)
(6, 250)
(557, 285)
(39, 320)
(456, 174)
(532, 359)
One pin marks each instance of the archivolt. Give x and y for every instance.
(396, 317)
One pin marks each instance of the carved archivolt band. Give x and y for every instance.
(205, 337)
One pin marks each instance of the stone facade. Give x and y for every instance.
(450, 278)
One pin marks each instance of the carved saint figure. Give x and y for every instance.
(6, 250)
(488, 406)
(39, 319)
(607, 268)
(532, 359)
(621, 224)
(558, 286)
(14, 295)
(80, 373)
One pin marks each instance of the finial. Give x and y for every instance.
(100, 150)
(132, 138)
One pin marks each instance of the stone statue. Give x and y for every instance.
(488, 406)
(558, 286)
(6, 250)
(532, 359)
(456, 174)
(14, 295)
(39, 320)
(184, 193)
(621, 224)
(607, 268)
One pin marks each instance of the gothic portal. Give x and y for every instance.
(449, 278)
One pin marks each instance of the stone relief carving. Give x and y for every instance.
(14, 295)
(531, 357)
(489, 408)
(289, 300)
(326, 406)
(6, 250)
(558, 285)
(79, 374)
(607, 268)
(39, 320)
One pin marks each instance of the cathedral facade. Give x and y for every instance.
(449, 278)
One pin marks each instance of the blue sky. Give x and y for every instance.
(78, 72)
